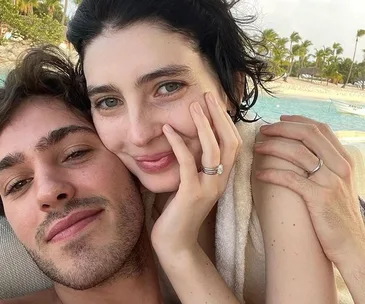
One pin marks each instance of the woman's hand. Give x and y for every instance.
(329, 192)
(175, 233)
(178, 226)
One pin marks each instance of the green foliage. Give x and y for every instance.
(52, 8)
(291, 54)
(40, 28)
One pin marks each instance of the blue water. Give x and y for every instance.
(270, 109)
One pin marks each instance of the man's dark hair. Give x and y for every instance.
(43, 71)
(209, 24)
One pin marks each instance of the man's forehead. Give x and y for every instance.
(36, 120)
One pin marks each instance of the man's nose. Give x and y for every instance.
(53, 191)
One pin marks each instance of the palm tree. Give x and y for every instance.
(319, 56)
(359, 34)
(52, 5)
(269, 37)
(327, 53)
(303, 51)
(26, 6)
(294, 38)
(65, 6)
(337, 49)
(279, 53)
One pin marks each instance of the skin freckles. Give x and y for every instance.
(135, 98)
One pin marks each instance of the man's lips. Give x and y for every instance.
(70, 221)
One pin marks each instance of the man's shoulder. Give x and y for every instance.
(42, 297)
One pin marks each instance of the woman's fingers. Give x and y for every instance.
(188, 170)
(294, 152)
(325, 130)
(308, 189)
(314, 140)
(228, 136)
(211, 153)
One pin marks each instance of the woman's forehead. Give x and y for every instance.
(135, 51)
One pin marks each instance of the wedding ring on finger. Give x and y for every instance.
(213, 171)
(317, 168)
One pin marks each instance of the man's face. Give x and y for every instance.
(70, 201)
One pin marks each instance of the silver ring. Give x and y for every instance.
(319, 166)
(213, 171)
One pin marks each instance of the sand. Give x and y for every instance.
(316, 90)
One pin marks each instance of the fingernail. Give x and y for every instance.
(168, 129)
(259, 143)
(263, 128)
(197, 108)
(284, 116)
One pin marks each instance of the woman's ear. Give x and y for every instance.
(240, 81)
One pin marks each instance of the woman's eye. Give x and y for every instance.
(107, 103)
(77, 154)
(17, 186)
(169, 88)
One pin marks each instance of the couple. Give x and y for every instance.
(282, 217)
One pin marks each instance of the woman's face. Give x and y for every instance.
(140, 78)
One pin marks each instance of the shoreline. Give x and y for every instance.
(300, 88)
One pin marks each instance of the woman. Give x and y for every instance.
(145, 63)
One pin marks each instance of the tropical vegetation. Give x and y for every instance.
(290, 56)
(39, 21)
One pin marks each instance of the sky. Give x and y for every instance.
(321, 21)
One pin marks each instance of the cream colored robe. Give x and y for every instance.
(240, 255)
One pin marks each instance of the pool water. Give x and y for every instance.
(270, 109)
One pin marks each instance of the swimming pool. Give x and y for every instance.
(270, 109)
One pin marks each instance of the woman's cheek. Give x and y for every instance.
(108, 135)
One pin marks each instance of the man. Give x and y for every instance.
(70, 201)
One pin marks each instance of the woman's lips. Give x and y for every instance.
(155, 163)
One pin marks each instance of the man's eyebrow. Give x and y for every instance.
(94, 90)
(168, 71)
(55, 136)
(11, 160)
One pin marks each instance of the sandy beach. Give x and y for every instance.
(316, 90)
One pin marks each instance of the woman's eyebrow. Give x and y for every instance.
(108, 88)
(168, 71)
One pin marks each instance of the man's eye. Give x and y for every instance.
(77, 154)
(107, 103)
(17, 186)
(169, 88)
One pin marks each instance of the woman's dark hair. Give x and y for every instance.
(44, 71)
(217, 35)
